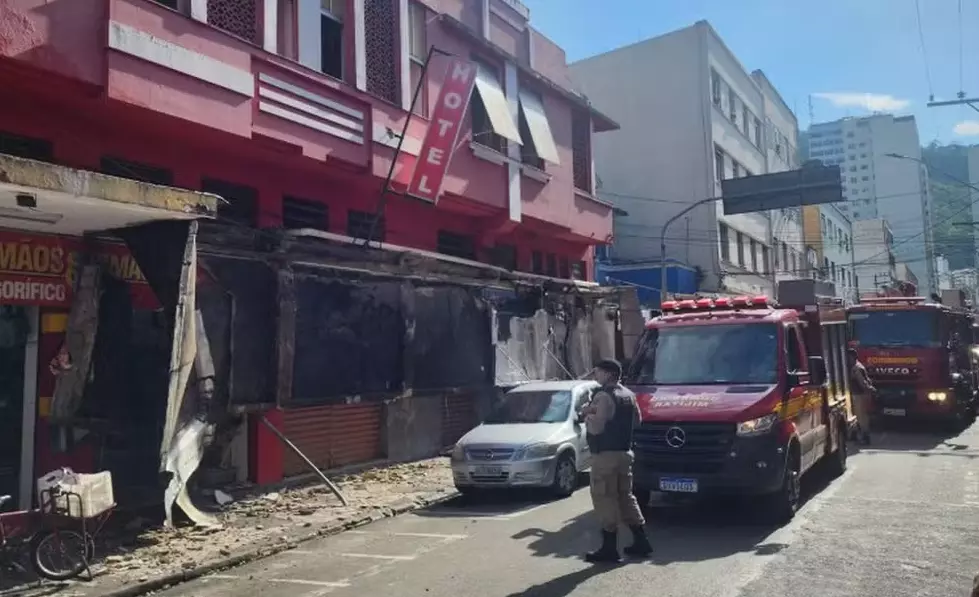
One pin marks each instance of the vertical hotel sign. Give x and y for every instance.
(443, 131)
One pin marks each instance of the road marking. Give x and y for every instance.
(498, 516)
(908, 502)
(295, 581)
(377, 556)
(448, 537)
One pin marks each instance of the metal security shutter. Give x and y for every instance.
(332, 436)
(458, 417)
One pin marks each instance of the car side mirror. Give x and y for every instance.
(817, 371)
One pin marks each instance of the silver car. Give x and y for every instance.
(532, 438)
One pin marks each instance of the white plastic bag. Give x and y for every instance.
(79, 495)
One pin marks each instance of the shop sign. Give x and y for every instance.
(41, 269)
(443, 131)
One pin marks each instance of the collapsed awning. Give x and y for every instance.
(540, 129)
(53, 199)
(497, 108)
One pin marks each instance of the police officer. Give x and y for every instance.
(861, 391)
(610, 418)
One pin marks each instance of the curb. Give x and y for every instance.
(335, 528)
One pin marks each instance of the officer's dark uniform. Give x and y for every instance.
(610, 441)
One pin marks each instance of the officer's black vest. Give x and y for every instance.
(617, 435)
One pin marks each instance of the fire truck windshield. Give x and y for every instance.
(896, 329)
(708, 354)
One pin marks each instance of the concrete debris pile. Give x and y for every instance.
(273, 518)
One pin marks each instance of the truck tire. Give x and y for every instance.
(780, 506)
(836, 464)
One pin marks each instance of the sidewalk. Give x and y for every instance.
(254, 527)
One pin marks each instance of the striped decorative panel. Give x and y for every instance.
(305, 108)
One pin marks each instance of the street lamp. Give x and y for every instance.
(662, 243)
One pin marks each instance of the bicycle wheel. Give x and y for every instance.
(60, 554)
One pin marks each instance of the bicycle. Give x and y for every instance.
(43, 535)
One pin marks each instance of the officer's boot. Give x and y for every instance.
(640, 547)
(608, 553)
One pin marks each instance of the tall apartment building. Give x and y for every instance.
(873, 256)
(691, 115)
(883, 177)
(972, 160)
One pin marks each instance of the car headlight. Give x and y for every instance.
(458, 453)
(937, 396)
(534, 451)
(758, 426)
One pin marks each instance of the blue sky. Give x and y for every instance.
(851, 56)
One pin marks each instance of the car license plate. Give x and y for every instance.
(678, 485)
(489, 470)
(895, 412)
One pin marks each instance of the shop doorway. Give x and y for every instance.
(18, 402)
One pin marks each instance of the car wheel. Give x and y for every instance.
(781, 506)
(565, 476)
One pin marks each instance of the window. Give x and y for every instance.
(825, 271)
(359, 224)
(418, 52)
(745, 120)
(853, 179)
(504, 256)
(715, 87)
(28, 148)
(864, 167)
(740, 240)
(824, 224)
(537, 262)
(578, 270)
(718, 163)
(135, 171)
(380, 55)
(785, 257)
(173, 4)
(864, 178)
(564, 269)
(552, 265)
(491, 121)
(331, 37)
(581, 151)
(725, 242)
(456, 245)
(304, 213)
(794, 348)
(535, 130)
(757, 129)
(735, 169)
(732, 104)
(765, 259)
(240, 202)
(754, 255)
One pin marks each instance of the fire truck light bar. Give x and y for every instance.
(707, 304)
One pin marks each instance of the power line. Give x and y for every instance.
(924, 53)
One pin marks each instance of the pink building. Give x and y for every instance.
(291, 110)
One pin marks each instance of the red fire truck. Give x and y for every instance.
(919, 356)
(739, 396)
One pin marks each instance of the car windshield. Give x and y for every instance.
(896, 328)
(709, 354)
(532, 407)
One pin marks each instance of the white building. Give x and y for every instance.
(691, 115)
(883, 177)
(943, 275)
(967, 280)
(973, 164)
(836, 235)
(873, 256)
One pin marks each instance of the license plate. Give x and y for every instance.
(894, 412)
(678, 485)
(489, 470)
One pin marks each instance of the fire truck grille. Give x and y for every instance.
(703, 449)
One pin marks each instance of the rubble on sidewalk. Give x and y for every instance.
(265, 520)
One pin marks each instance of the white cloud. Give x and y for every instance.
(967, 128)
(872, 102)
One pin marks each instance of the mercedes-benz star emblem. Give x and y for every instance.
(675, 437)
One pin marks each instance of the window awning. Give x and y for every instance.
(540, 128)
(497, 108)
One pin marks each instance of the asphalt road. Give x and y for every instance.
(901, 522)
